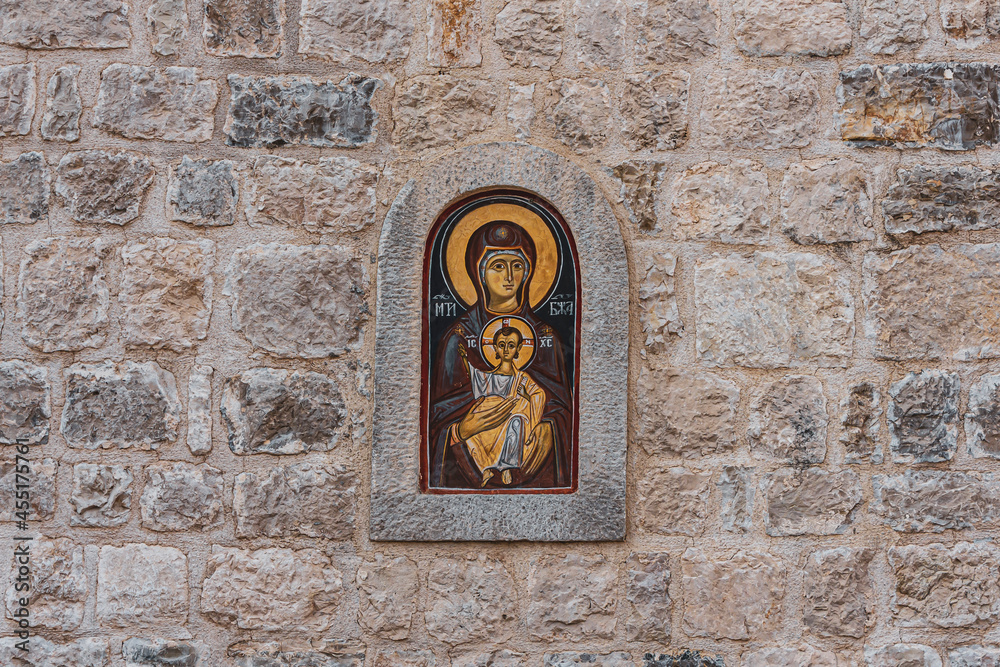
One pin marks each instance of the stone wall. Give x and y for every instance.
(190, 199)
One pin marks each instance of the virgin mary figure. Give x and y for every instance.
(500, 259)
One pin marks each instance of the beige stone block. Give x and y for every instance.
(529, 32)
(454, 33)
(792, 27)
(810, 502)
(826, 201)
(839, 600)
(181, 496)
(375, 31)
(434, 111)
(57, 584)
(788, 421)
(571, 597)
(577, 112)
(674, 501)
(724, 203)
(142, 585)
(469, 599)
(647, 600)
(388, 590)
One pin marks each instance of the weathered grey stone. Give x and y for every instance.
(521, 109)
(952, 106)
(248, 28)
(889, 25)
(647, 597)
(734, 598)
(89, 652)
(265, 112)
(271, 589)
(788, 421)
(941, 199)
(454, 32)
(686, 659)
(333, 29)
(102, 496)
(982, 421)
(735, 498)
(859, 416)
(131, 405)
(167, 21)
(403, 658)
(640, 181)
(662, 32)
(142, 585)
(62, 299)
(936, 500)
(501, 658)
(674, 501)
(971, 656)
(969, 24)
(804, 310)
(388, 591)
(529, 32)
(684, 414)
(902, 655)
(41, 477)
(103, 187)
(54, 24)
(304, 498)
(24, 404)
(199, 410)
(57, 585)
(63, 106)
(725, 203)
(826, 201)
(181, 496)
(433, 111)
(801, 656)
(796, 28)
(337, 193)
(577, 112)
(755, 109)
(575, 659)
(169, 104)
(657, 298)
(160, 653)
(941, 587)
(291, 654)
(571, 598)
(810, 502)
(923, 417)
(24, 190)
(839, 601)
(469, 599)
(166, 292)
(17, 97)
(654, 110)
(203, 193)
(272, 411)
(926, 302)
(600, 33)
(298, 301)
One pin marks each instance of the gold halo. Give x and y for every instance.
(488, 349)
(546, 250)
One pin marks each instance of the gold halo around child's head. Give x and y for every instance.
(546, 250)
(487, 341)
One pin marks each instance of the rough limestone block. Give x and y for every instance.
(683, 414)
(271, 589)
(923, 417)
(301, 499)
(24, 404)
(55, 24)
(57, 585)
(578, 112)
(674, 501)
(161, 653)
(333, 29)
(945, 587)
(755, 109)
(272, 411)
(926, 302)
(103, 187)
(571, 598)
(801, 656)
(657, 297)
(724, 203)
(654, 110)
(41, 477)
(951, 106)
(102, 495)
(736, 498)
(298, 301)
(169, 104)
(454, 33)
(891, 25)
(502, 658)
(600, 33)
(982, 421)
(203, 193)
(199, 410)
(647, 597)
(248, 28)
(529, 32)
(664, 32)
(839, 601)
(129, 405)
(968, 24)
(521, 109)
(433, 111)
(796, 28)
(62, 298)
(826, 201)
(17, 98)
(860, 410)
(63, 106)
(733, 598)
(575, 659)
(936, 500)
(788, 421)
(331, 194)
(904, 655)
(266, 112)
(469, 599)
(24, 190)
(942, 199)
(403, 658)
(181, 496)
(89, 652)
(640, 181)
(686, 659)
(141, 585)
(810, 502)
(167, 21)
(292, 654)
(972, 656)
(166, 292)
(388, 589)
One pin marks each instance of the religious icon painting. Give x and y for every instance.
(500, 353)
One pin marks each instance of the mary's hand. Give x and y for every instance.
(477, 421)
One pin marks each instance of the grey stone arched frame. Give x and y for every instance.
(399, 511)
